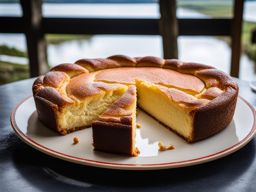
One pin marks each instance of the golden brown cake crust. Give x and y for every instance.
(215, 116)
(65, 84)
(70, 69)
(122, 107)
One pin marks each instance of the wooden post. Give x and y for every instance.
(36, 45)
(236, 36)
(169, 28)
(253, 38)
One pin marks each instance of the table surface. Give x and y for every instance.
(23, 168)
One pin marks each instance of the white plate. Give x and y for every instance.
(241, 130)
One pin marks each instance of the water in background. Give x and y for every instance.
(207, 50)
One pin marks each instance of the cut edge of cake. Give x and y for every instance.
(163, 104)
(79, 114)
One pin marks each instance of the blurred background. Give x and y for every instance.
(210, 50)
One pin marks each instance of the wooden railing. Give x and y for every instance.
(35, 26)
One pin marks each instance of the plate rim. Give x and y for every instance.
(125, 166)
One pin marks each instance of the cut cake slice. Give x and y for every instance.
(114, 130)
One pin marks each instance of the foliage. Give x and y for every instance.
(57, 38)
(12, 72)
(11, 51)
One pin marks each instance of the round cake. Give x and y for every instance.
(193, 100)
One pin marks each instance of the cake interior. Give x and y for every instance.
(83, 113)
(155, 101)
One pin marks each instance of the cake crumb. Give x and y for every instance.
(138, 125)
(162, 147)
(75, 140)
(136, 152)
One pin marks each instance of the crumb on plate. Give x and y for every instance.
(75, 140)
(162, 147)
(138, 125)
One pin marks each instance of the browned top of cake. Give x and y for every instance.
(121, 111)
(69, 83)
(166, 77)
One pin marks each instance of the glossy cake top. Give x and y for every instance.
(185, 82)
(167, 77)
